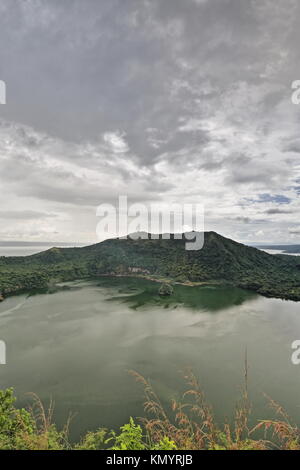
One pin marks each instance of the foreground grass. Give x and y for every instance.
(191, 426)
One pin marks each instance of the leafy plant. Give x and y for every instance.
(190, 426)
(130, 438)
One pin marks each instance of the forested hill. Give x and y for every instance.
(220, 260)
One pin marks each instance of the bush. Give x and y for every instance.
(165, 289)
(191, 426)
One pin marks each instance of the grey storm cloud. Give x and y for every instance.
(244, 220)
(293, 146)
(276, 210)
(294, 231)
(25, 215)
(175, 101)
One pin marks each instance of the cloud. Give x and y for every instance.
(161, 100)
(293, 146)
(276, 211)
(294, 231)
(116, 141)
(244, 220)
(25, 215)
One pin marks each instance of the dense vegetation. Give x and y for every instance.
(33, 429)
(190, 426)
(221, 260)
(165, 290)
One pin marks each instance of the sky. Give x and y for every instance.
(165, 101)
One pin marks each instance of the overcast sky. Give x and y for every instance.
(162, 100)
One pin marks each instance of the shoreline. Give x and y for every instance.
(151, 278)
(168, 281)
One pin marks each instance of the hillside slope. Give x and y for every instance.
(220, 259)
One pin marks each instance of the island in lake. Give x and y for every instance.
(221, 261)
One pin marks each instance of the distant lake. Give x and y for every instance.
(77, 346)
(278, 252)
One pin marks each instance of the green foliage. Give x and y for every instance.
(93, 441)
(164, 444)
(19, 428)
(130, 438)
(192, 428)
(165, 289)
(14, 423)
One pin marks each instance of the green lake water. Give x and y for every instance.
(76, 345)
